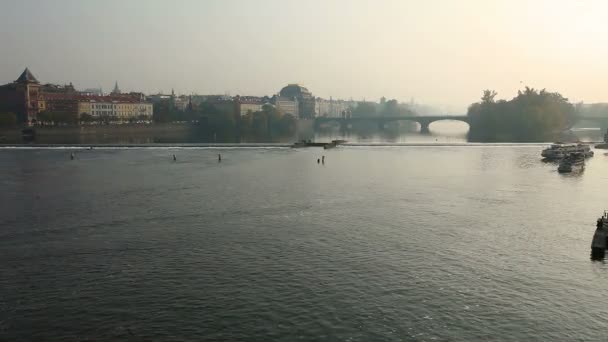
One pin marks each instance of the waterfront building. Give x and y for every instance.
(332, 108)
(56, 88)
(288, 105)
(181, 102)
(64, 103)
(22, 97)
(27, 98)
(116, 109)
(99, 108)
(303, 97)
(249, 104)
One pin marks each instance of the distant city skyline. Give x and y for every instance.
(442, 53)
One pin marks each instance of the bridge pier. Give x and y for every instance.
(424, 127)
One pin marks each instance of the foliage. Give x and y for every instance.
(390, 108)
(163, 112)
(268, 121)
(393, 108)
(531, 116)
(58, 117)
(8, 119)
(84, 117)
(365, 109)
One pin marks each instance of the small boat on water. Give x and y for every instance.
(599, 243)
(559, 150)
(309, 143)
(333, 144)
(573, 162)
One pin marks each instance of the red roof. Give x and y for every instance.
(91, 98)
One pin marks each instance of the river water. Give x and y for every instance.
(391, 243)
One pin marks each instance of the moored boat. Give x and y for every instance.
(333, 144)
(307, 143)
(559, 150)
(599, 243)
(573, 162)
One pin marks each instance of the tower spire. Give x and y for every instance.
(116, 89)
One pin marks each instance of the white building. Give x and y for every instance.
(249, 104)
(332, 108)
(247, 108)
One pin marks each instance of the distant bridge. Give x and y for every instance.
(424, 121)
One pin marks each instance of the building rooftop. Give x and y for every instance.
(27, 77)
(123, 98)
(295, 90)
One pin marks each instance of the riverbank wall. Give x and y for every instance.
(127, 133)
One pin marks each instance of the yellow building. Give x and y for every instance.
(125, 111)
(116, 110)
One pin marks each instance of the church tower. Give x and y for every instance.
(116, 90)
(29, 87)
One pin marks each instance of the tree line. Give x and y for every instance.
(390, 108)
(531, 116)
(222, 118)
(8, 119)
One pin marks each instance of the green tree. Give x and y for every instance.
(488, 96)
(393, 108)
(268, 121)
(85, 117)
(8, 119)
(530, 116)
(163, 112)
(65, 117)
(365, 109)
(45, 117)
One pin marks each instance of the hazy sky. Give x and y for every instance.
(437, 52)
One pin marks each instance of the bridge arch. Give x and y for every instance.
(431, 123)
(423, 121)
